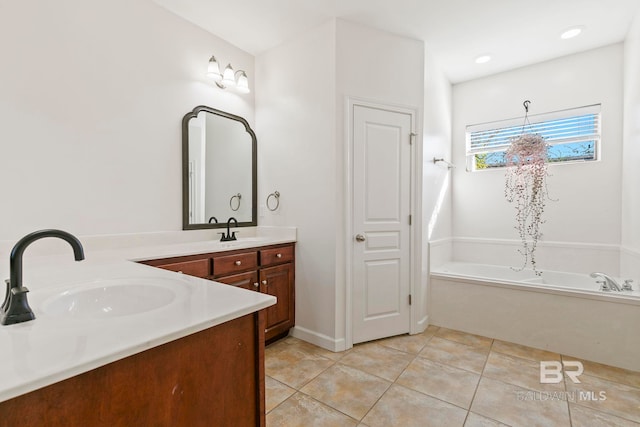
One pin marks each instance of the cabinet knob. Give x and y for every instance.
(278, 255)
(264, 282)
(256, 285)
(179, 271)
(238, 262)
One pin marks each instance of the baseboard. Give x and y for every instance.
(316, 338)
(423, 324)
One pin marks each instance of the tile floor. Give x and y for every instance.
(438, 378)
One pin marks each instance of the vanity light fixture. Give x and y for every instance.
(228, 78)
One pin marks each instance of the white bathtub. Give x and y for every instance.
(557, 311)
(552, 280)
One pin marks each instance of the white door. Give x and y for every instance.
(381, 265)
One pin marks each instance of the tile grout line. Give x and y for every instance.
(414, 355)
(279, 404)
(417, 355)
(297, 390)
(564, 382)
(391, 383)
(475, 392)
(600, 410)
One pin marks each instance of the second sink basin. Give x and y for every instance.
(112, 298)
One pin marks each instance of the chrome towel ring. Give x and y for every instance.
(238, 197)
(276, 196)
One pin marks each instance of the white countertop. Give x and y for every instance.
(52, 347)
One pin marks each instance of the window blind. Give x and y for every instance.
(568, 126)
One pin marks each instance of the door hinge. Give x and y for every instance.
(410, 219)
(412, 135)
(409, 299)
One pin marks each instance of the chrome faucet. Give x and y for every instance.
(230, 235)
(609, 284)
(15, 308)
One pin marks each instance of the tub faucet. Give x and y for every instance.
(15, 308)
(609, 282)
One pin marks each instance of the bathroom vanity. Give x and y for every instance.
(267, 269)
(211, 378)
(187, 350)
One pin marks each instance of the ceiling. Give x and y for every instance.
(514, 32)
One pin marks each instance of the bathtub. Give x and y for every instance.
(548, 280)
(557, 311)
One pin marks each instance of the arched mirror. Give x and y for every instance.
(219, 156)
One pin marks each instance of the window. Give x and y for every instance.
(572, 135)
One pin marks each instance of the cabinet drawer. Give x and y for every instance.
(276, 255)
(230, 264)
(198, 268)
(248, 280)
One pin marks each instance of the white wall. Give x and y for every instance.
(589, 206)
(436, 178)
(383, 68)
(302, 90)
(295, 118)
(630, 254)
(93, 94)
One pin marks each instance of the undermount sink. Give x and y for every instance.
(113, 298)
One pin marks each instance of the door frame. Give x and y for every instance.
(416, 200)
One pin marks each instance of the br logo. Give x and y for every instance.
(551, 371)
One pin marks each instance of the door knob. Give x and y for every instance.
(360, 238)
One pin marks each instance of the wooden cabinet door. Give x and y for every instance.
(214, 377)
(248, 280)
(279, 282)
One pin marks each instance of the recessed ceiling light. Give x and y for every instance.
(570, 33)
(483, 59)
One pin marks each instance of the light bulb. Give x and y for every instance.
(228, 77)
(213, 70)
(243, 82)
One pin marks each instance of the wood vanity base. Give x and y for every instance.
(267, 269)
(211, 378)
